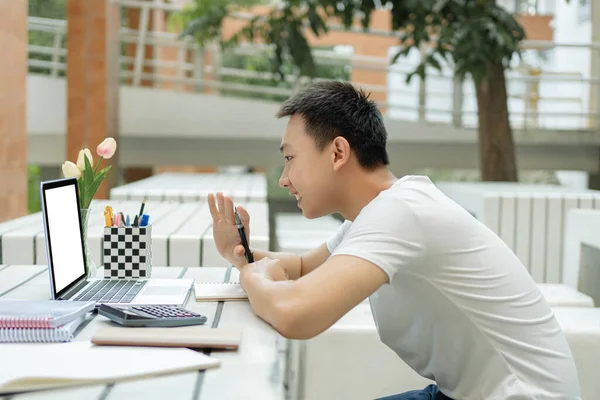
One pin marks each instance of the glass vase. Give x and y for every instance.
(91, 267)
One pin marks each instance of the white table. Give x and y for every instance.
(255, 371)
(530, 219)
(184, 187)
(181, 233)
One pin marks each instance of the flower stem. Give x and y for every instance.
(98, 165)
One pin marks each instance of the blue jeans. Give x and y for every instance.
(431, 392)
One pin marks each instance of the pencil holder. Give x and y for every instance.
(127, 252)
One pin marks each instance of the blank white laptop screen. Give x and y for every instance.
(65, 235)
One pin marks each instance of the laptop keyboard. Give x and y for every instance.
(112, 291)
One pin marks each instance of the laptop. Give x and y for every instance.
(67, 261)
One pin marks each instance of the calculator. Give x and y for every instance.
(151, 315)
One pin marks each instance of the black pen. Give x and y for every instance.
(242, 232)
(142, 208)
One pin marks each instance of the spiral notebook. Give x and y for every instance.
(62, 333)
(220, 291)
(40, 314)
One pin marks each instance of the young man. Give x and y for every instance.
(448, 296)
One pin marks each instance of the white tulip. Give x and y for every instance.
(70, 170)
(81, 161)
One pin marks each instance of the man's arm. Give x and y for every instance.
(295, 264)
(303, 308)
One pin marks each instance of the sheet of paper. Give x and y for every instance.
(219, 291)
(38, 366)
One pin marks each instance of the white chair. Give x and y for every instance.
(582, 328)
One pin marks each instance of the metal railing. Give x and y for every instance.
(537, 99)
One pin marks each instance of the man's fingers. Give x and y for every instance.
(221, 203)
(244, 216)
(212, 205)
(239, 250)
(229, 217)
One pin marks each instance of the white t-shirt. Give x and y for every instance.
(459, 308)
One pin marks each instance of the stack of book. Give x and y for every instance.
(33, 321)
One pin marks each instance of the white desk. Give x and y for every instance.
(184, 187)
(530, 219)
(181, 233)
(255, 371)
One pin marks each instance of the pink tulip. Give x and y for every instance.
(107, 148)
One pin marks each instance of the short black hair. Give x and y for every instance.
(335, 108)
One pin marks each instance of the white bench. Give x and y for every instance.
(582, 328)
(185, 187)
(560, 295)
(582, 252)
(348, 361)
(297, 234)
(181, 233)
(528, 218)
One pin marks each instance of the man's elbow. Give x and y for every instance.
(291, 323)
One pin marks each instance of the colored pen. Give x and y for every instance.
(242, 232)
(108, 215)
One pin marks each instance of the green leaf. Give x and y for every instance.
(82, 193)
(433, 62)
(87, 177)
(93, 187)
(401, 53)
(89, 171)
(472, 34)
(367, 7)
(419, 71)
(316, 23)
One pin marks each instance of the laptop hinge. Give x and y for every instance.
(71, 292)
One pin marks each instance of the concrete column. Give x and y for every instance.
(13, 103)
(93, 79)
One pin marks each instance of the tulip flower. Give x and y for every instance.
(70, 170)
(107, 148)
(90, 179)
(81, 160)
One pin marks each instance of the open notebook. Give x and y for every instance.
(81, 363)
(220, 291)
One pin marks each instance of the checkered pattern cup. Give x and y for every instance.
(127, 252)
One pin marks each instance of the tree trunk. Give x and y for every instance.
(496, 145)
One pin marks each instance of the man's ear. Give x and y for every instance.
(340, 152)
